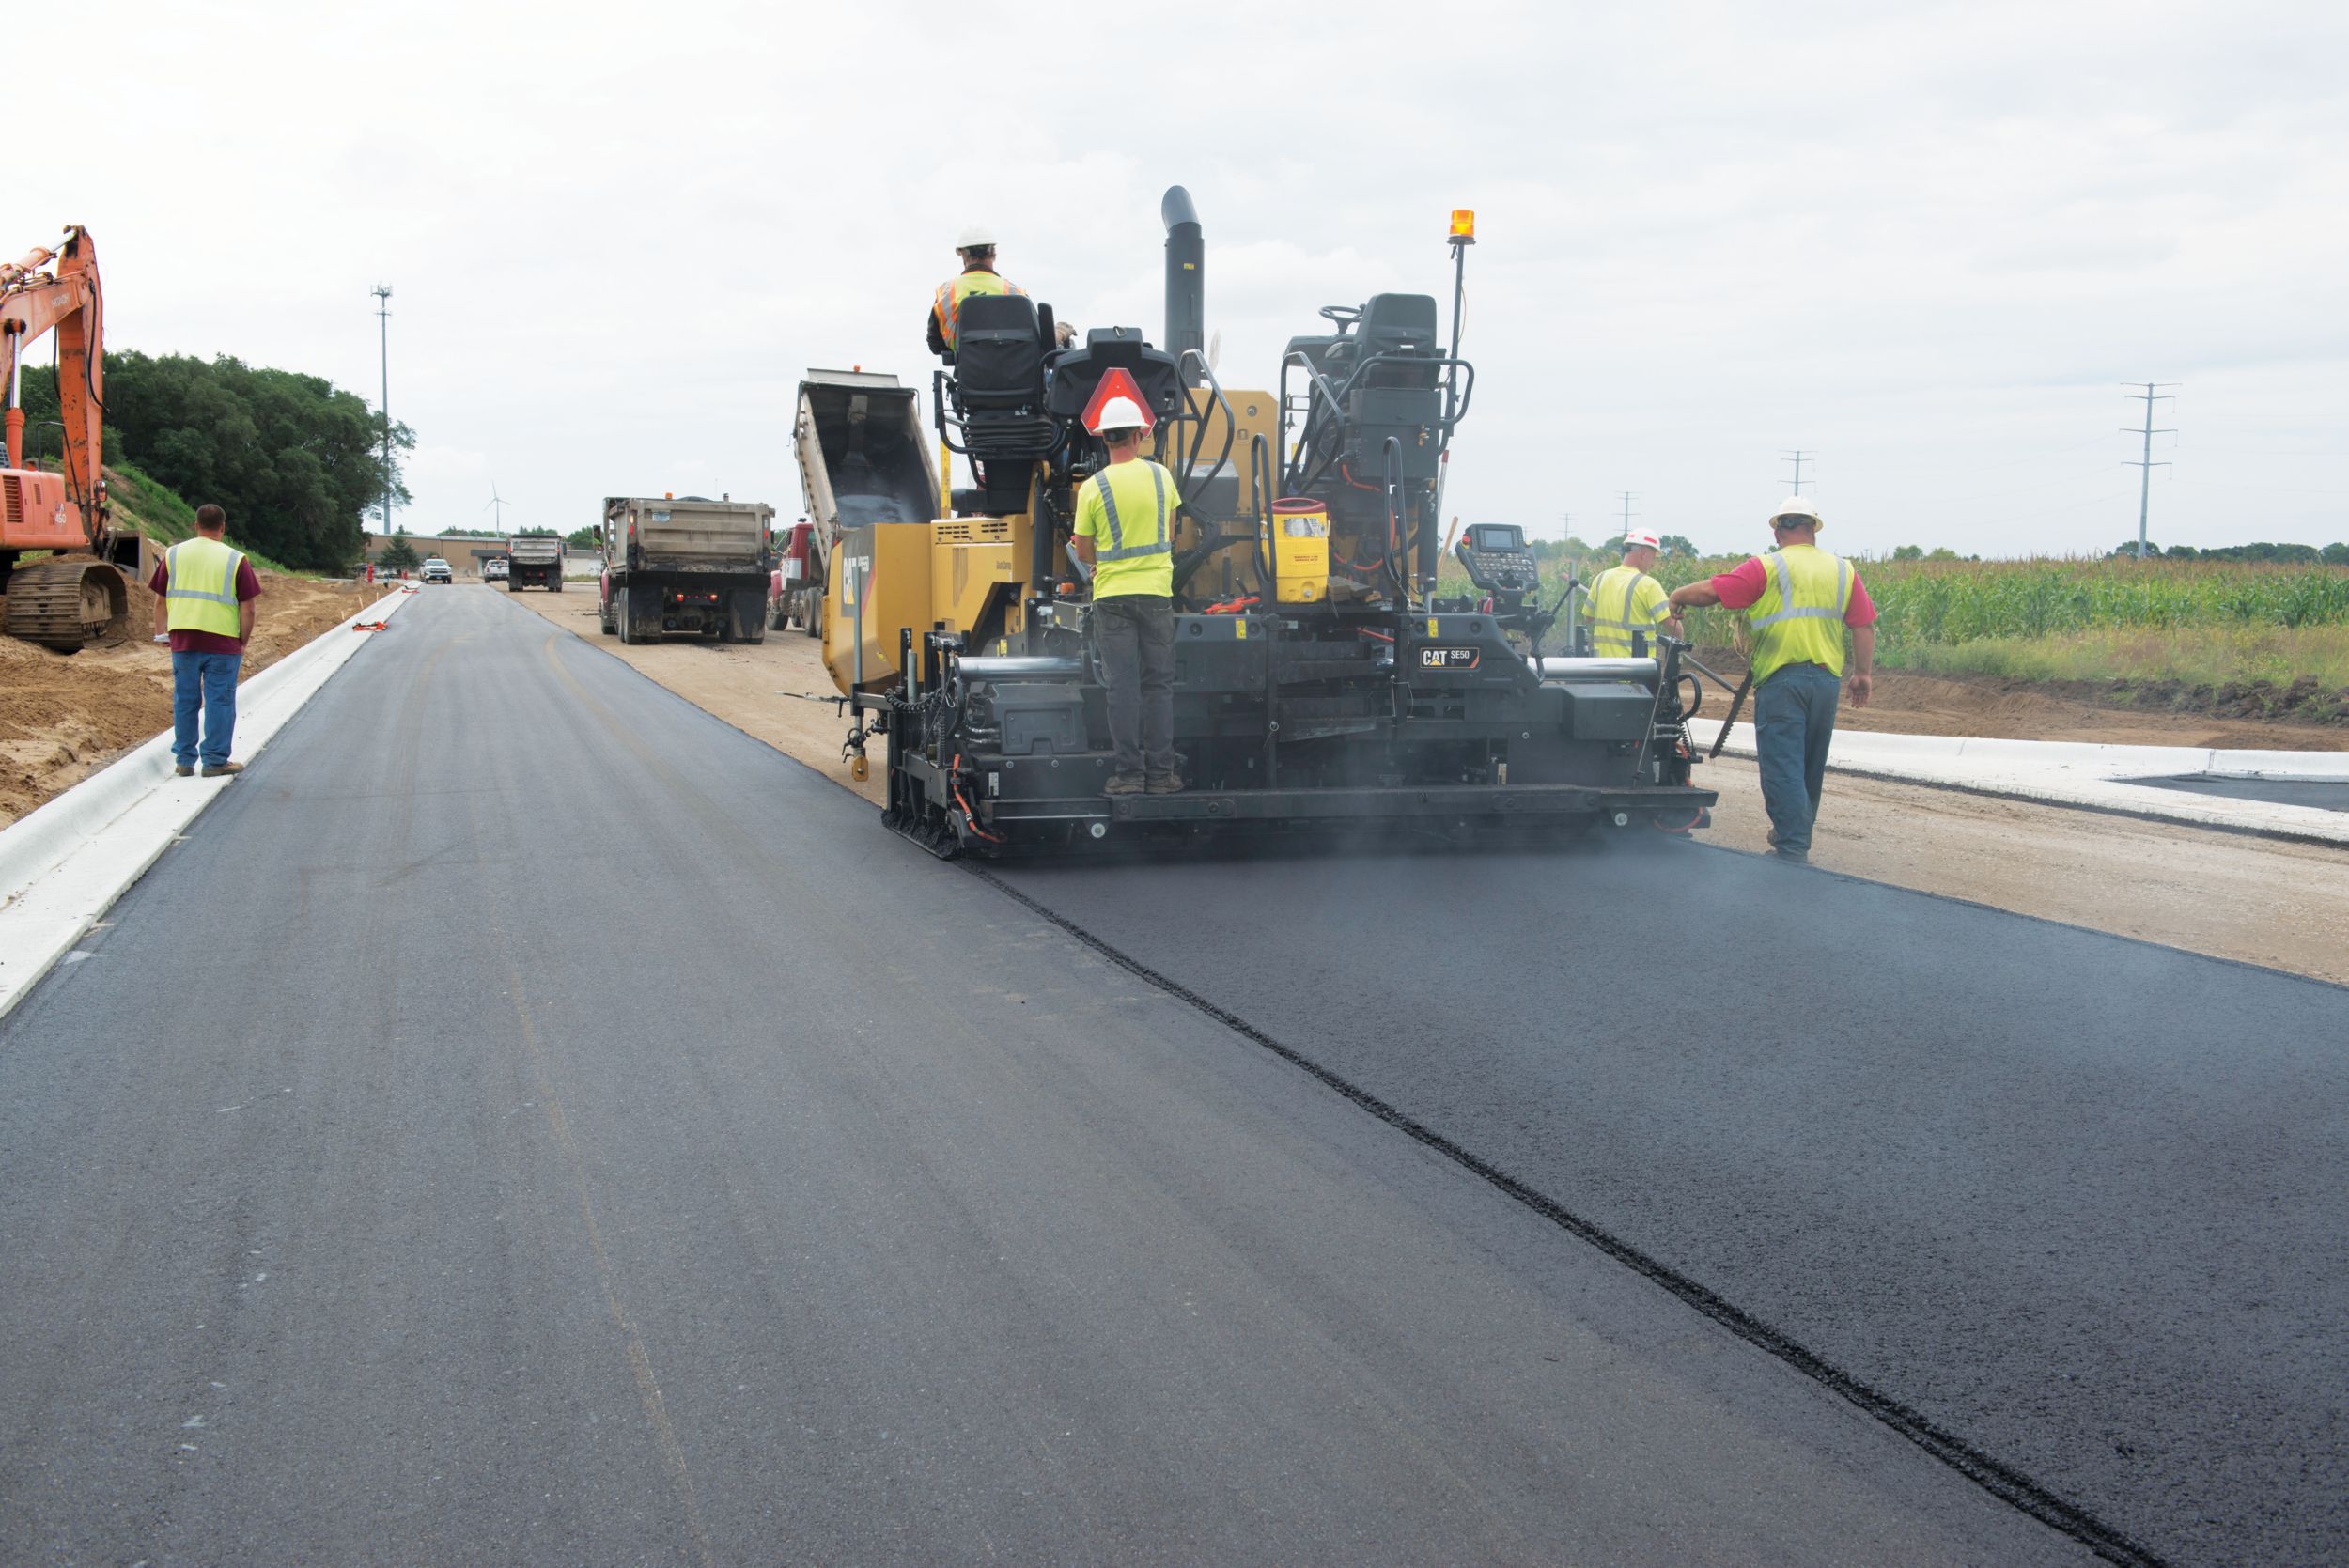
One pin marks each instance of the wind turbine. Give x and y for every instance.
(498, 502)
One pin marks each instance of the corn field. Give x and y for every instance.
(1930, 603)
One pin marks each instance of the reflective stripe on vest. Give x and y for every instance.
(1612, 634)
(948, 305)
(200, 583)
(1119, 550)
(1799, 618)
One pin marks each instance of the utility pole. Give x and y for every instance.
(2146, 465)
(1798, 458)
(1628, 497)
(383, 314)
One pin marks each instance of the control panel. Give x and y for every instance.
(1498, 558)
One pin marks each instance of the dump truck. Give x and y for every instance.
(1326, 683)
(533, 561)
(685, 566)
(865, 459)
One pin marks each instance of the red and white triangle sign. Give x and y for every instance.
(1117, 381)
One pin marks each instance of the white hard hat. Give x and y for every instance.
(1796, 506)
(975, 236)
(1121, 414)
(1641, 541)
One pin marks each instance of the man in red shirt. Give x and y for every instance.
(1803, 599)
(204, 608)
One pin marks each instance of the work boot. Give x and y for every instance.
(184, 770)
(1164, 783)
(222, 769)
(1124, 784)
(1798, 857)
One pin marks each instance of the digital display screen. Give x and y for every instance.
(1492, 536)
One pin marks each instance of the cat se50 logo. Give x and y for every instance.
(1448, 658)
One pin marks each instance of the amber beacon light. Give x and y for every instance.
(1463, 227)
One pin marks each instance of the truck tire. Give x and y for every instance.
(557, 583)
(812, 612)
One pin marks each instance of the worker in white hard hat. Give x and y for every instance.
(1125, 534)
(1627, 601)
(1802, 600)
(976, 246)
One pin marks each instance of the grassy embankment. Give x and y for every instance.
(148, 507)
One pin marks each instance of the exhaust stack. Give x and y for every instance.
(1186, 279)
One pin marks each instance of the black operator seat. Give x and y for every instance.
(1002, 342)
(1398, 324)
(1000, 345)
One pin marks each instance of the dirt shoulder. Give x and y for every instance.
(64, 716)
(2283, 906)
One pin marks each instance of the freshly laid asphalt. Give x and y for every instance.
(2078, 1206)
(2326, 794)
(530, 1121)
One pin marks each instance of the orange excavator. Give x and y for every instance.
(79, 592)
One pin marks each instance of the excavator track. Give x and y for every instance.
(65, 603)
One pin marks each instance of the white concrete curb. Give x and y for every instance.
(63, 865)
(2067, 774)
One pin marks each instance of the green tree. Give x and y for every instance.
(2336, 555)
(399, 555)
(1909, 552)
(581, 539)
(1673, 547)
(2180, 552)
(296, 463)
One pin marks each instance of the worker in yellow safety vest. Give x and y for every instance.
(1626, 600)
(204, 591)
(976, 246)
(1802, 600)
(1125, 535)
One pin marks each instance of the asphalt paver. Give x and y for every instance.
(2067, 1203)
(527, 1120)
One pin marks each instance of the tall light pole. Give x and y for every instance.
(383, 314)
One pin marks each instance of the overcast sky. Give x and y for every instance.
(1927, 242)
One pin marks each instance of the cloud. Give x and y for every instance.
(1917, 240)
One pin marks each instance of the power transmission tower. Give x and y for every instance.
(2146, 465)
(1798, 457)
(383, 314)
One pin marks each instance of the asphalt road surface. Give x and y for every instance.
(2075, 1207)
(527, 1120)
(2327, 794)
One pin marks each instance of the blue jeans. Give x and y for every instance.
(209, 681)
(1793, 718)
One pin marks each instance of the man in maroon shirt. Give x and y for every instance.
(1803, 599)
(194, 617)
